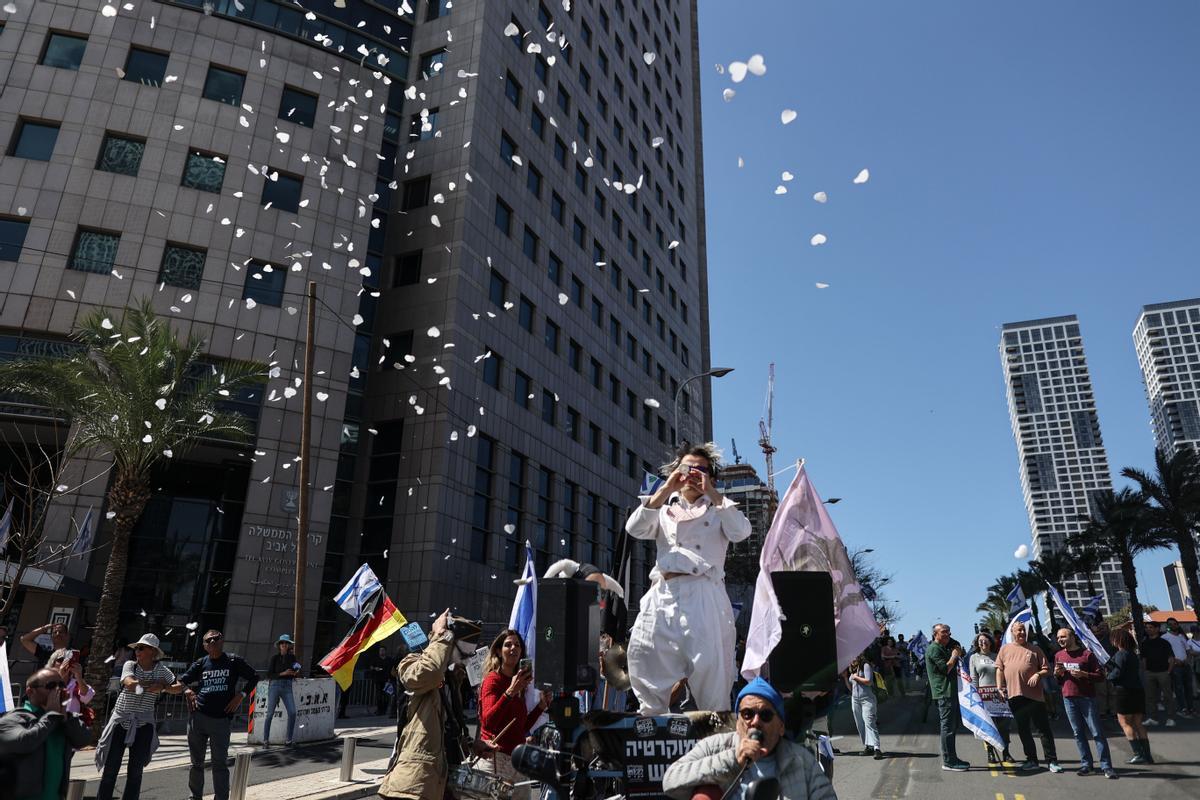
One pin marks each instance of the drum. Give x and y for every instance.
(466, 783)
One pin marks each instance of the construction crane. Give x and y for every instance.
(764, 429)
(736, 458)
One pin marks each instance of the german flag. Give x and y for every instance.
(379, 620)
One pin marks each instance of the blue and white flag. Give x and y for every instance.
(85, 536)
(7, 702)
(650, 483)
(1092, 609)
(1188, 603)
(918, 645)
(1016, 598)
(1082, 632)
(1025, 616)
(974, 716)
(523, 620)
(360, 587)
(6, 524)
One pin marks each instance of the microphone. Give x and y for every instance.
(755, 735)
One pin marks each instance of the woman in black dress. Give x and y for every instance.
(1125, 672)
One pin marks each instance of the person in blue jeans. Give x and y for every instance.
(1078, 671)
(281, 672)
(865, 705)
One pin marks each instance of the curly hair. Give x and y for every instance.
(708, 451)
(494, 659)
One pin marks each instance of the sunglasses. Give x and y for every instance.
(764, 714)
(212, 639)
(51, 686)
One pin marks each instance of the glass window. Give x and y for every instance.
(34, 140)
(503, 217)
(491, 370)
(508, 150)
(525, 314)
(533, 182)
(554, 268)
(498, 290)
(120, 154)
(416, 194)
(552, 335)
(182, 266)
(537, 123)
(283, 193)
(298, 107)
(512, 89)
(64, 51)
(560, 151)
(549, 407)
(264, 283)
(437, 8)
(224, 86)
(146, 67)
(541, 68)
(564, 100)
(424, 125)
(558, 208)
(408, 269)
(12, 237)
(95, 251)
(204, 171)
(530, 244)
(521, 389)
(432, 63)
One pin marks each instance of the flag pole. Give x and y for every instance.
(305, 472)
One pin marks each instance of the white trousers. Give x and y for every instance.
(684, 630)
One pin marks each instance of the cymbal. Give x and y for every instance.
(616, 667)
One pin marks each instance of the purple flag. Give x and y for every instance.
(803, 539)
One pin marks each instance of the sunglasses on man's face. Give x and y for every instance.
(212, 639)
(764, 714)
(51, 686)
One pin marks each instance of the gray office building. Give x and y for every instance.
(1060, 452)
(1166, 338)
(502, 206)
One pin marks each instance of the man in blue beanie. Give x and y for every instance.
(721, 760)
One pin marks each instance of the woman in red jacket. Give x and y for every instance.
(504, 717)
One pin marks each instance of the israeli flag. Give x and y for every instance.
(360, 587)
(918, 644)
(1025, 616)
(523, 620)
(974, 716)
(1188, 602)
(1092, 609)
(650, 484)
(7, 701)
(1082, 632)
(1016, 598)
(6, 525)
(87, 534)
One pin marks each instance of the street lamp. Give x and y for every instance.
(718, 372)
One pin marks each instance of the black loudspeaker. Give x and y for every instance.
(805, 660)
(568, 634)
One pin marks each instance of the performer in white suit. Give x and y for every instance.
(685, 628)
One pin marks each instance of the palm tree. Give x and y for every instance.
(996, 604)
(1051, 568)
(1120, 528)
(1086, 560)
(137, 394)
(1174, 491)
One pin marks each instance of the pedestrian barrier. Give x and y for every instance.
(349, 745)
(75, 789)
(241, 776)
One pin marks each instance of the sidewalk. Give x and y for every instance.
(173, 754)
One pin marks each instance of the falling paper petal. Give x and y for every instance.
(737, 71)
(1022, 552)
(433, 333)
(787, 116)
(822, 285)
(863, 176)
(756, 65)
(820, 197)
(728, 94)
(818, 239)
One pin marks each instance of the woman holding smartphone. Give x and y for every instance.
(504, 717)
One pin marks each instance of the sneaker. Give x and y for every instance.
(1170, 723)
(957, 766)
(870, 751)
(1149, 722)
(1083, 770)
(1029, 766)
(1055, 767)
(878, 754)
(1111, 774)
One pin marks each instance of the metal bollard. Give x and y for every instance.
(75, 789)
(241, 776)
(349, 744)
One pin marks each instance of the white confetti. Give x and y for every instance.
(161, 403)
(510, 529)
(787, 116)
(471, 431)
(787, 176)
(511, 29)
(727, 94)
(250, 303)
(649, 58)
(651, 402)
(818, 239)
(433, 332)
(10, 8)
(147, 438)
(108, 11)
(169, 453)
(106, 323)
(357, 320)
(737, 71)
(822, 285)
(821, 197)
(563, 299)
(1022, 552)
(322, 396)
(757, 65)
(863, 176)
(781, 189)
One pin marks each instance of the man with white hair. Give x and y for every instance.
(685, 627)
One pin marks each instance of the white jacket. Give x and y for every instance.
(693, 546)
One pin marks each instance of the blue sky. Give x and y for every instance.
(1027, 160)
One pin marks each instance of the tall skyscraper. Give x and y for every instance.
(1166, 337)
(502, 204)
(1177, 588)
(1059, 448)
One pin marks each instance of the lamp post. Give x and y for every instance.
(718, 372)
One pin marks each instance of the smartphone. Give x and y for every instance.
(525, 665)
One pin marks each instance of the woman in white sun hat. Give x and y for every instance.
(131, 725)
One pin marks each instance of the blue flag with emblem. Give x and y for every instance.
(650, 483)
(1082, 632)
(975, 717)
(1092, 610)
(87, 534)
(1016, 598)
(1024, 616)
(362, 584)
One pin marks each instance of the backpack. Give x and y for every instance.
(880, 687)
